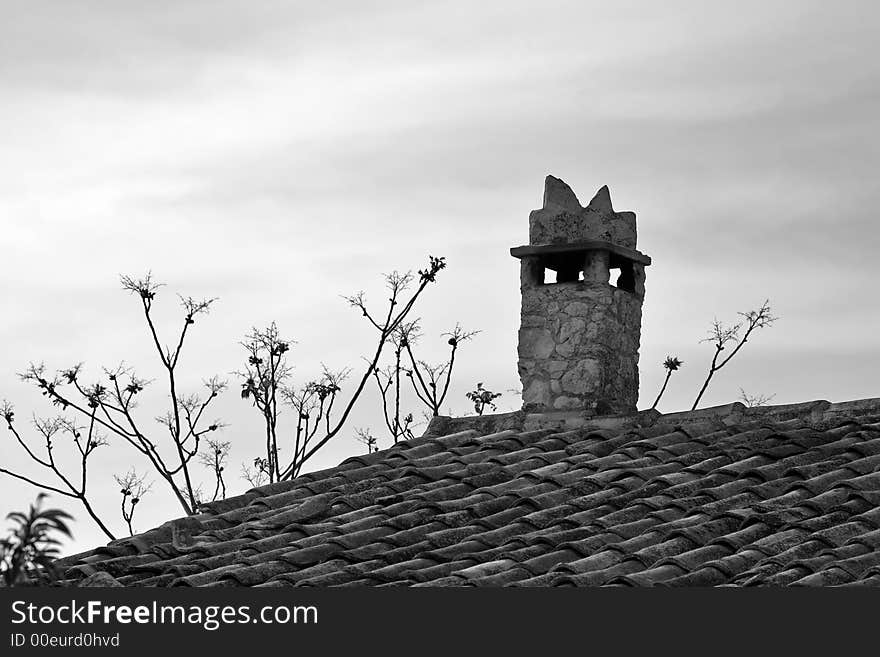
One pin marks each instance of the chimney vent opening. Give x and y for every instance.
(563, 268)
(622, 275)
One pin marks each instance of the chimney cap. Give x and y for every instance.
(586, 245)
(562, 219)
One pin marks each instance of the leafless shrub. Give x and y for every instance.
(257, 474)
(264, 378)
(315, 403)
(388, 381)
(755, 401)
(364, 437)
(722, 335)
(105, 410)
(214, 457)
(431, 382)
(132, 488)
(77, 441)
(671, 364)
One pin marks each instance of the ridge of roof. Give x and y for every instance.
(818, 411)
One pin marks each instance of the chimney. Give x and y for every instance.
(582, 283)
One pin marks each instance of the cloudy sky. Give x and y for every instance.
(280, 154)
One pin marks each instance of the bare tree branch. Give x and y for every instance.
(108, 406)
(721, 335)
(399, 307)
(214, 458)
(431, 382)
(83, 438)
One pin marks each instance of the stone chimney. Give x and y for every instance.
(582, 284)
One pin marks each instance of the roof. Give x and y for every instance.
(724, 496)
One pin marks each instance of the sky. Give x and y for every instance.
(277, 155)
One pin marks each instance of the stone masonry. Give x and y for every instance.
(579, 337)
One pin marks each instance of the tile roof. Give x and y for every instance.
(723, 496)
